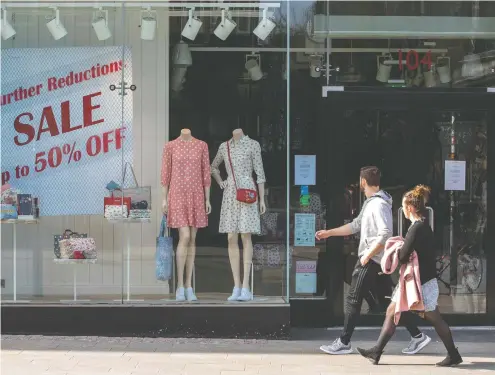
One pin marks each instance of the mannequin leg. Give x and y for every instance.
(182, 249)
(191, 255)
(247, 258)
(235, 258)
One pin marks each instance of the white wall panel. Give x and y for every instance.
(36, 273)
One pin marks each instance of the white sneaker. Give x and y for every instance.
(190, 296)
(417, 344)
(336, 348)
(245, 295)
(236, 293)
(179, 294)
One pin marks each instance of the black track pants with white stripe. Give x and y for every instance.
(363, 280)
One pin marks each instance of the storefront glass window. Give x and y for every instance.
(66, 133)
(230, 97)
(129, 80)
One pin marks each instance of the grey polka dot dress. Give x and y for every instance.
(235, 216)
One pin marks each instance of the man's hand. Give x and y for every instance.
(365, 259)
(322, 234)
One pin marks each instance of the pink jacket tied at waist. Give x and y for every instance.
(409, 291)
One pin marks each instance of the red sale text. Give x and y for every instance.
(54, 122)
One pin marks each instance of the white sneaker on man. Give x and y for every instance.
(336, 348)
(417, 344)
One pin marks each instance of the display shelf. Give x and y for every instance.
(129, 220)
(74, 263)
(14, 223)
(20, 221)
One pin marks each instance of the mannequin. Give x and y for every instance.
(186, 200)
(238, 217)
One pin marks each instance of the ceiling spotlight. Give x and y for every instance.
(55, 26)
(265, 27)
(383, 68)
(253, 66)
(100, 24)
(181, 55)
(192, 27)
(472, 66)
(443, 69)
(178, 78)
(225, 27)
(7, 29)
(430, 78)
(148, 25)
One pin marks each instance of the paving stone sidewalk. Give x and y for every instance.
(36, 355)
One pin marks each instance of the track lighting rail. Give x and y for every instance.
(153, 4)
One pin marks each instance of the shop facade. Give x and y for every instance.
(312, 91)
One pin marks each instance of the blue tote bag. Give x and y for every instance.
(164, 253)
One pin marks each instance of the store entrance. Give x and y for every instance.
(409, 135)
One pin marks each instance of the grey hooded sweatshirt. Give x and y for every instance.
(375, 223)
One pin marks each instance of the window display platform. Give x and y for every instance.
(144, 299)
(201, 320)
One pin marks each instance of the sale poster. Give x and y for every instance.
(64, 132)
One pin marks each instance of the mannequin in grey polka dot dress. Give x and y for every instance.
(238, 217)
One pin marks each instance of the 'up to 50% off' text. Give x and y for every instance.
(66, 153)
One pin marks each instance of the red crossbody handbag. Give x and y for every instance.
(242, 195)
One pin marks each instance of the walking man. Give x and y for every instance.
(376, 226)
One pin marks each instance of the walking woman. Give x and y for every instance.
(419, 238)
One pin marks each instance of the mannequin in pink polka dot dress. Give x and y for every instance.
(186, 182)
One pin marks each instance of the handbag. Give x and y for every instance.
(114, 212)
(140, 195)
(242, 195)
(140, 214)
(164, 253)
(73, 248)
(66, 235)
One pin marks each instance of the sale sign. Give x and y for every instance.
(65, 134)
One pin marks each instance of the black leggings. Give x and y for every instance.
(434, 317)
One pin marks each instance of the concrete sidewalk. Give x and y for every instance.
(36, 355)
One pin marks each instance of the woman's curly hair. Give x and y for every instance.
(417, 198)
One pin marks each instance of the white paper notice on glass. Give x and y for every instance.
(305, 170)
(306, 276)
(455, 175)
(304, 229)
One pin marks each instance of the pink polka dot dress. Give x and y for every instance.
(186, 171)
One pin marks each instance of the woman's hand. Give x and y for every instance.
(223, 184)
(322, 234)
